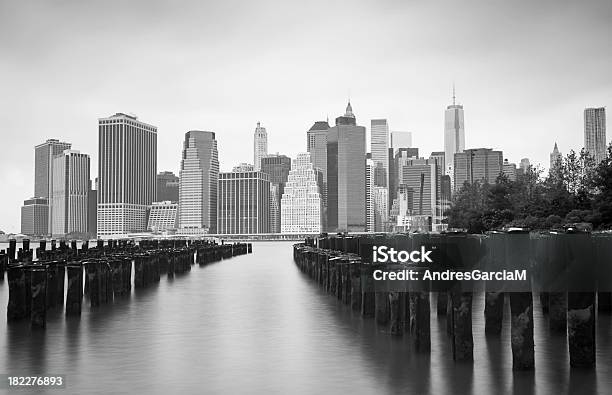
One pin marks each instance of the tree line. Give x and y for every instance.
(576, 190)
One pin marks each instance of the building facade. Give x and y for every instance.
(199, 174)
(162, 216)
(34, 217)
(243, 205)
(277, 167)
(555, 158)
(401, 140)
(301, 203)
(127, 168)
(346, 173)
(260, 145)
(595, 133)
(509, 170)
(167, 187)
(454, 135)
(43, 171)
(379, 145)
(480, 164)
(70, 197)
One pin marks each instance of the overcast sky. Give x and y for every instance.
(524, 71)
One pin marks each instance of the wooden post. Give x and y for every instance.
(521, 310)
(581, 328)
(74, 293)
(419, 320)
(461, 323)
(494, 312)
(38, 318)
(16, 309)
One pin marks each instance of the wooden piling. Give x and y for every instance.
(74, 293)
(494, 312)
(16, 309)
(581, 328)
(521, 322)
(462, 341)
(38, 317)
(420, 320)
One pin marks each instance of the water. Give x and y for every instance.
(256, 324)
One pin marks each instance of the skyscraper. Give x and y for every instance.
(346, 148)
(260, 145)
(524, 165)
(167, 187)
(369, 198)
(34, 217)
(43, 171)
(316, 145)
(401, 140)
(277, 167)
(127, 165)
(301, 203)
(454, 135)
(243, 203)
(595, 132)
(197, 211)
(479, 164)
(379, 144)
(555, 157)
(69, 201)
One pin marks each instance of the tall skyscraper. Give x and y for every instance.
(34, 217)
(401, 140)
(260, 145)
(346, 148)
(277, 167)
(396, 163)
(369, 198)
(524, 165)
(127, 166)
(69, 201)
(197, 211)
(480, 164)
(301, 203)
(379, 144)
(454, 134)
(243, 203)
(167, 187)
(421, 176)
(43, 171)
(555, 157)
(595, 133)
(316, 145)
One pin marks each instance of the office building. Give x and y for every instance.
(260, 145)
(92, 212)
(480, 164)
(396, 164)
(380, 198)
(316, 145)
(69, 199)
(243, 168)
(34, 217)
(43, 171)
(509, 170)
(369, 198)
(346, 148)
(162, 216)
(243, 205)
(167, 187)
(454, 135)
(197, 210)
(277, 167)
(524, 166)
(127, 167)
(379, 144)
(301, 204)
(595, 133)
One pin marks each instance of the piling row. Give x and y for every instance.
(342, 266)
(103, 273)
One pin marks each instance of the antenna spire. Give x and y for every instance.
(453, 93)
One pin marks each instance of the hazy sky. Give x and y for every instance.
(524, 71)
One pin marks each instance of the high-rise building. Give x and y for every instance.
(127, 166)
(422, 177)
(316, 145)
(595, 133)
(369, 198)
(401, 140)
(197, 210)
(260, 145)
(346, 148)
(379, 134)
(277, 167)
(524, 165)
(92, 212)
(43, 171)
(243, 167)
(243, 205)
(454, 135)
(381, 214)
(69, 200)
(396, 163)
(162, 216)
(167, 187)
(301, 204)
(555, 157)
(480, 164)
(509, 170)
(34, 217)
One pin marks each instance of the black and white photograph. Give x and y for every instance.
(305, 197)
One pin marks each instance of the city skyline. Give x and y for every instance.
(261, 75)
